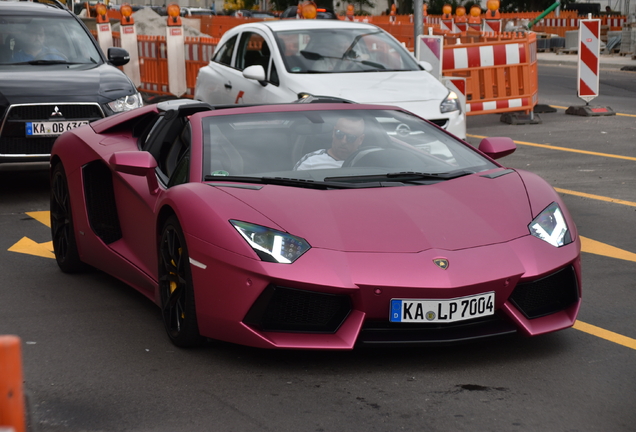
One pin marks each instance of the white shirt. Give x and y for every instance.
(320, 159)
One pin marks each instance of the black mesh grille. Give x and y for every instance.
(14, 140)
(26, 146)
(414, 334)
(100, 202)
(545, 296)
(440, 122)
(43, 112)
(286, 309)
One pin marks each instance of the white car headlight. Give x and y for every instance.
(126, 103)
(451, 103)
(550, 226)
(272, 245)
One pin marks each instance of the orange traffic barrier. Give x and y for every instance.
(12, 411)
(500, 69)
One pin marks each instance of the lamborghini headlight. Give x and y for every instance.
(450, 104)
(550, 226)
(272, 245)
(126, 103)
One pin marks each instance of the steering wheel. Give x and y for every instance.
(348, 162)
(51, 55)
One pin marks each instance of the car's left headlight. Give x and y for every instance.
(550, 226)
(272, 245)
(451, 103)
(126, 103)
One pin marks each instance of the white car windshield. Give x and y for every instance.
(35, 40)
(342, 51)
(352, 146)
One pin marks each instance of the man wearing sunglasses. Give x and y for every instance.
(347, 136)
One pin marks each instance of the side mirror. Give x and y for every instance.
(426, 65)
(497, 147)
(255, 72)
(118, 56)
(137, 163)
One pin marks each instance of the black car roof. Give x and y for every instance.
(46, 7)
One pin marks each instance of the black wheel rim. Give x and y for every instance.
(61, 224)
(173, 281)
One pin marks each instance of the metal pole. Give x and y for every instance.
(418, 21)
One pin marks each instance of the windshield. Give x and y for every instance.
(39, 40)
(342, 146)
(342, 51)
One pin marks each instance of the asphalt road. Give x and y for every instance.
(96, 358)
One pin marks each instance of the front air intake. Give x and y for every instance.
(294, 310)
(548, 295)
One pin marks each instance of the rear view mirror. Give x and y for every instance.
(255, 72)
(118, 56)
(497, 147)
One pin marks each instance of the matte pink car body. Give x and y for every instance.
(369, 244)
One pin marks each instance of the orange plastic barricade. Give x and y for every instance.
(153, 64)
(198, 52)
(12, 411)
(501, 73)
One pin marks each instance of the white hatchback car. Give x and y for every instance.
(282, 61)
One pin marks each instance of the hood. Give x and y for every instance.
(388, 88)
(61, 83)
(466, 212)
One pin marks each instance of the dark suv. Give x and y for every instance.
(53, 77)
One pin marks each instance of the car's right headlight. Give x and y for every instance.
(126, 103)
(550, 226)
(450, 103)
(272, 245)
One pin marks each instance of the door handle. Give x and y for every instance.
(228, 86)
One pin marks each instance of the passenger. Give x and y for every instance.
(347, 136)
(33, 47)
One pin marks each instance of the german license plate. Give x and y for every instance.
(52, 128)
(442, 310)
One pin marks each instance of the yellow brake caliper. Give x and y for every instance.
(173, 284)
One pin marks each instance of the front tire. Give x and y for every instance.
(62, 228)
(175, 286)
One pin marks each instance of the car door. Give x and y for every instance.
(214, 81)
(168, 144)
(256, 48)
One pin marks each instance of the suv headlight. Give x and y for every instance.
(451, 103)
(550, 226)
(272, 245)
(126, 103)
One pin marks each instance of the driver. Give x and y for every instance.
(347, 137)
(33, 48)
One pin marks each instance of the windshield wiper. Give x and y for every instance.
(285, 181)
(406, 176)
(46, 62)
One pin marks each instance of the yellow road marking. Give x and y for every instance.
(596, 197)
(28, 246)
(618, 114)
(605, 334)
(42, 217)
(598, 248)
(547, 146)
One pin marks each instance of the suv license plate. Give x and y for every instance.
(52, 128)
(442, 310)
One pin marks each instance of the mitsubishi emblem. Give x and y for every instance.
(57, 112)
(441, 263)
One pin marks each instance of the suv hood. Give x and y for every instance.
(386, 88)
(467, 212)
(62, 83)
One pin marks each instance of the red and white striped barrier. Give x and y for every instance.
(430, 49)
(483, 56)
(588, 69)
(492, 25)
(589, 54)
